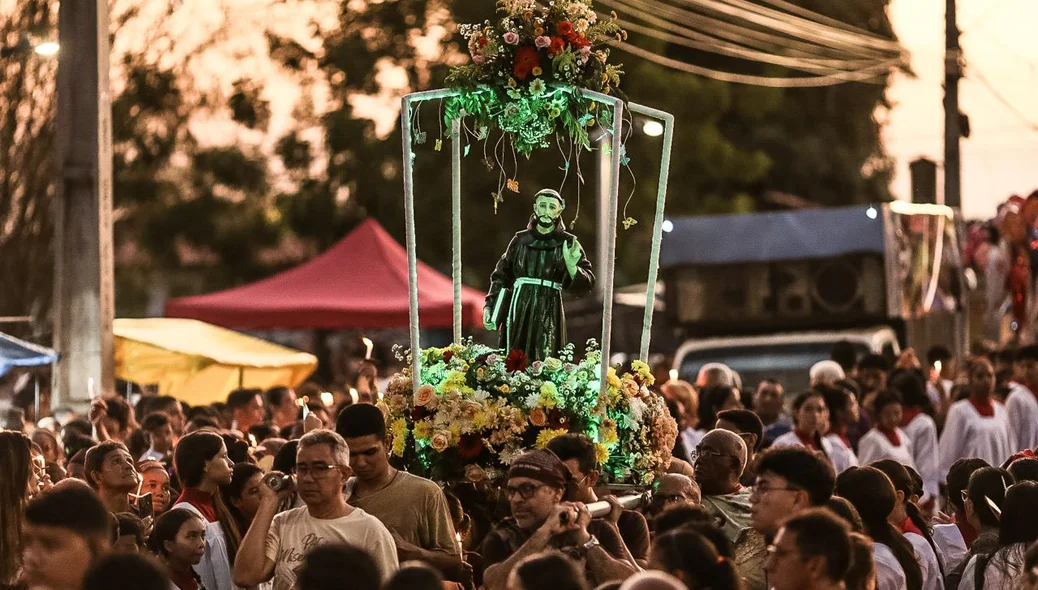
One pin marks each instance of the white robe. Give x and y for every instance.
(1004, 571)
(928, 562)
(842, 456)
(968, 434)
(922, 430)
(953, 547)
(875, 446)
(790, 439)
(889, 573)
(1022, 414)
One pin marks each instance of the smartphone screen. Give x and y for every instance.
(145, 508)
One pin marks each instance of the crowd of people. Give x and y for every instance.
(903, 476)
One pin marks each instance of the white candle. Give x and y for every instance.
(461, 549)
(673, 374)
(353, 395)
(327, 398)
(368, 343)
(90, 388)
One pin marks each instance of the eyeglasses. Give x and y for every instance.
(318, 471)
(698, 453)
(525, 491)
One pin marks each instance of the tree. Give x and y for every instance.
(27, 167)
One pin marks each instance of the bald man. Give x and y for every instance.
(720, 460)
(652, 580)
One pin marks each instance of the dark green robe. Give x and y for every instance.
(530, 316)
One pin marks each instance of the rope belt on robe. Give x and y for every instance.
(517, 287)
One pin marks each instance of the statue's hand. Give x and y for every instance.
(571, 255)
(487, 322)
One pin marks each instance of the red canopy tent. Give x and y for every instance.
(361, 282)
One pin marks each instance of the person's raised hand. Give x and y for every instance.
(98, 410)
(571, 252)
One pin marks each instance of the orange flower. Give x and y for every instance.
(538, 417)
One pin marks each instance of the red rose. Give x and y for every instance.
(579, 41)
(565, 28)
(556, 47)
(482, 42)
(516, 361)
(448, 355)
(526, 60)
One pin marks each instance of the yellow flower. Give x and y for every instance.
(398, 430)
(479, 420)
(612, 379)
(608, 435)
(601, 454)
(504, 388)
(591, 122)
(511, 82)
(546, 436)
(422, 429)
(537, 71)
(548, 395)
(538, 31)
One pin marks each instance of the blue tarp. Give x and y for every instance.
(19, 353)
(767, 237)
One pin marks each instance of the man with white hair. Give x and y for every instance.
(275, 544)
(720, 461)
(826, 373)
(712, 374)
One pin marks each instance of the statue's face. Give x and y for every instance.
(547, 210)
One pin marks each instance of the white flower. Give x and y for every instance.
(532, 400)
(638, 409)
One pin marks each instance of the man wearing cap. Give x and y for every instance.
(541, 520)
(525, 298)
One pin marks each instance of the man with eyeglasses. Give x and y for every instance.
(577, 453)
(790, 480)
(413, 508)
(720, 460)
(540, 520)
(812, 551)
(275, 544)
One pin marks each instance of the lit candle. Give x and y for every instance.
(461, 549)
(327, 398)
(252, 440)
(90, 388)
(381, 395)
(353, 395)
(368, 343)
(937, 365)
(673, 374)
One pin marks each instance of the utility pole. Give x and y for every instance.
(952, 118)
(83, 291)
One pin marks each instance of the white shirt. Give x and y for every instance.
(922, 431)
(294, 532)
(1004, 570)
(152, 455)
(842, 456)
(928, 562)
(953, 547)
(889, 573)
(790, 439)
(690, 437)
(875, 446)
(1022, 414)
(968, 434)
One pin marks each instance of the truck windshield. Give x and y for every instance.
(786, 363)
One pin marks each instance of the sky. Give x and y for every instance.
(1000, 158)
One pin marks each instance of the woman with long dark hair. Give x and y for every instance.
(242, 495)
(843, 411)
(17, 482)
(810, 420)
(919, 426)
(908, 519)
(978, 425)
(178, 540)
(983, 499)
(1018, 529)
(872, 494)
(202, 466)
(691, 558)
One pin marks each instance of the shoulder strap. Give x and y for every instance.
(978, 574)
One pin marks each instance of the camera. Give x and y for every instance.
(277, 481)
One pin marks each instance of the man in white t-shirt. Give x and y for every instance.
(275, 544)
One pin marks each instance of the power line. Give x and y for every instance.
(1002, 99)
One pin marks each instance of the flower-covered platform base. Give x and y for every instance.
(475, 410)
